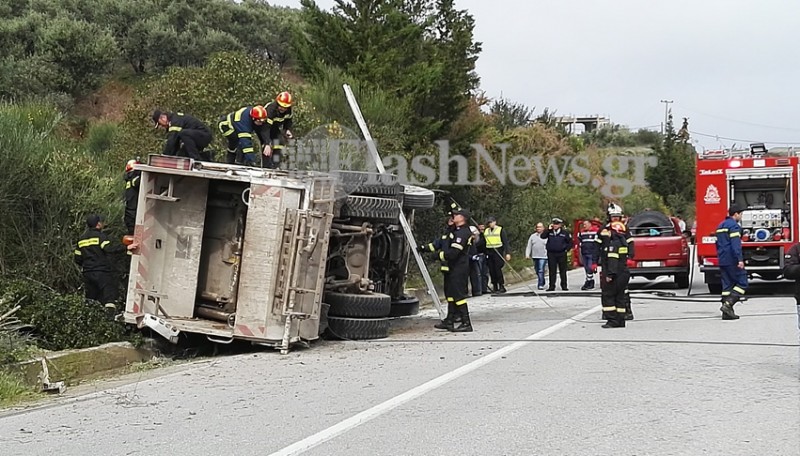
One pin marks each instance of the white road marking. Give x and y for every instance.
(378, 410)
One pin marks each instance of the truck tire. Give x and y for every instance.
(418, 198)
(404, 307)
(370, 208)
(648, 219)
(364, 183)
(357, 328)
(682, 280)
(372, 305)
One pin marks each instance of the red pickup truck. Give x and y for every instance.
(659, 247)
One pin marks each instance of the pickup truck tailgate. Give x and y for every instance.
(656, 251)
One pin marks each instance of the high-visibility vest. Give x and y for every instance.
(493, 239)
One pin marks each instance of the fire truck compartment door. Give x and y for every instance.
(760, 173)
(261, 253)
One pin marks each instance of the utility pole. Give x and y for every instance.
(666, 115)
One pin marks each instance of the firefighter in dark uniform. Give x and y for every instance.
(590, 252)
(279, 117)
(731, 262)
(132, 182)
(614, 275)
(436, 246)
(475, 281)
(615, 214)
(497, 253)
(456, 253)
(93, 255)
(791, 271)
(184, 133)
(238, 129)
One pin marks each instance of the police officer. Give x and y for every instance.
(456, 253)
(93, 255)
(590, 252)
(132, 180)
(559, 242)
(497, 253)
(279, 117)
(614, 275)
(183, 130)
(731, 261)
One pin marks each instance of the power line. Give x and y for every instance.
(738, 121)
(718, 137)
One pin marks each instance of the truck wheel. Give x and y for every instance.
(682, 280)
(367, 207)
(368, 184)
(714, 288)
(405, 307)
(357, 328)
(418, 198)
(372, 305)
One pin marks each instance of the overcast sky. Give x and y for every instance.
(731, 66)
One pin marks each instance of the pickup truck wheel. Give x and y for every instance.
(405, 307)
(357, 328)
(714, 288)
(368, 184)
(682, 280)
(383, 210)
(372, 305)
(418, 198)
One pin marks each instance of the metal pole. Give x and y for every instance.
(666, 115)
(351, 99)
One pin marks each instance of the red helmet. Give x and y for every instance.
(129, 165)
(284, 99)
(258, 113)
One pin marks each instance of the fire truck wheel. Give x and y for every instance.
(371, 305)
(367, 184)
(383, 210)
(714, 288)
(405, 307)
(682, 280)
(418, 198)
(357, 328)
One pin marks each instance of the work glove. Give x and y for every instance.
(422, 249)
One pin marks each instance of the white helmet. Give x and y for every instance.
(614, 210)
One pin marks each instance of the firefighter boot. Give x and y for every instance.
(727, 309)
(466, 324)
(617, 321)
(588, 285)
(447, 323)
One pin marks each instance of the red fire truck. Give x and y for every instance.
(763, 181)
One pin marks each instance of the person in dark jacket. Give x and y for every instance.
(238, 128)
(279, 120)
(559, 242)
(731, 261)
(184, 133)
(93, 255)
(791, 271)
(590, 252)
(615, 275)
(132, 181)
(436, 246)
(475, 262)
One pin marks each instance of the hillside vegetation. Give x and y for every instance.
(79, 79)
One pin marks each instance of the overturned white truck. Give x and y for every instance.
(271, 257)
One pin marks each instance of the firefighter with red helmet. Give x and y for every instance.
(132, 180)
(615, 274)
(238, 129)
(731, 261)
(279, 117)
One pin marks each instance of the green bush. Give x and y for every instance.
(101, 137)
(61, 321)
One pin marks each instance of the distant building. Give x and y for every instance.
(589, 123)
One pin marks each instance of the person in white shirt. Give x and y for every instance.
(537, 251)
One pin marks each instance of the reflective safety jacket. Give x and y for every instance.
(241, 124)
(93, 251)
(178, 122)
(589, 245)
(132, 181)
(729, 242)
(276, 119)
(615, 255)
(496, 239)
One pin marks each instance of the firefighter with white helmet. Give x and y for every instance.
(616, 214)
(615, 274)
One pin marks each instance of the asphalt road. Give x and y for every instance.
(539, 376)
